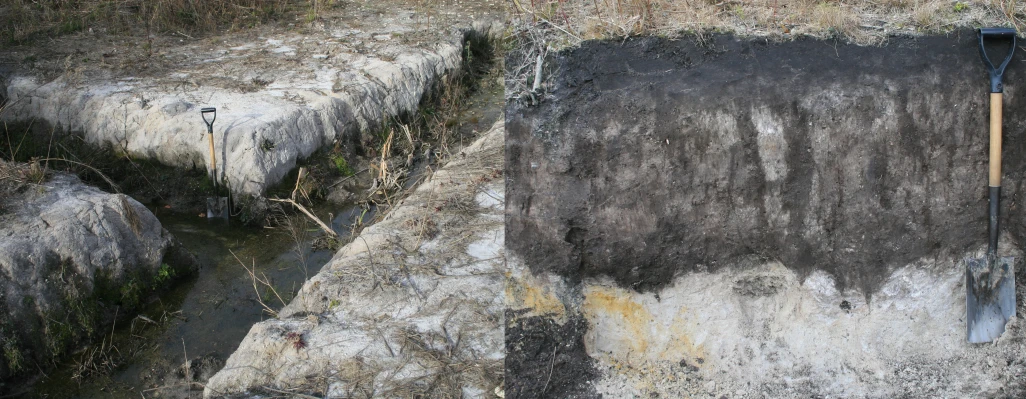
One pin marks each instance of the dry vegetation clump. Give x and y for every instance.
(23, 20)
(14, 176)
(859, 21)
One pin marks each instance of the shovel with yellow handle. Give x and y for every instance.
(990, 281)
(217, 207)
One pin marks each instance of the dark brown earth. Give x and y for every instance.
(645, 160)
(545, 359)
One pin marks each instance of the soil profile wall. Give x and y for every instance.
(652, 158)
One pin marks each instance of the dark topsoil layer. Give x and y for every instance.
(545, 359)
(646, 160)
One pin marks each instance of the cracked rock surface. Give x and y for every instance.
(412, 306)
(281, 92)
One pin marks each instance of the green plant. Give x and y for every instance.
(269, 293)
(267, 145)
(56, 334)
(11, 351)
(359, 220)
(341, 165)
(129, 293)
(13, 357)
(960, 6)
(164, 274)
(81, 312)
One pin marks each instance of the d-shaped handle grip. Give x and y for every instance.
(996, 73)
(1006, 33)
(210, 123)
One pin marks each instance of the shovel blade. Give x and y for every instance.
(989, 297)
(217, 208)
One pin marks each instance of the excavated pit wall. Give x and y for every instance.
(754, 219)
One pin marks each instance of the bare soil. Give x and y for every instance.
(673, 156)
(545, 359)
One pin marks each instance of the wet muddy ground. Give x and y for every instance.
(203, 318)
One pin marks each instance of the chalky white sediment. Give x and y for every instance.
(394, 281)
(766, 331)
(260, 132)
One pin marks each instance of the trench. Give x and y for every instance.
(206, 316)
(203, 319)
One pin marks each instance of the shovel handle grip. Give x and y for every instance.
(213, 158)
(995, 171)
(1005, 33)
(213, 117)
(996, 72)
(995, 139)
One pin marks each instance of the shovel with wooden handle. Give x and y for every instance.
(990, 281)
(217, 206)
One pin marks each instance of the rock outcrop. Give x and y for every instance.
(278, 99)
(72, 257)
(413, 306)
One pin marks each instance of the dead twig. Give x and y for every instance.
(538, 72)
(254, 279)
(309, 214)
(292, 394)
(188, 366)
(551, 365)
(345, 179)
(299, 178)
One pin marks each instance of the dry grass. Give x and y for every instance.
(22, 20)
(541, 26)
(860, 21)
(98, 361)
(14, 176)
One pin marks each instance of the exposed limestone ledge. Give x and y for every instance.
(412, 305)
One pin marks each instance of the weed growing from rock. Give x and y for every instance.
(295, 340)
(164, 274)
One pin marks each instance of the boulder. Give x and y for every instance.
(72, 258)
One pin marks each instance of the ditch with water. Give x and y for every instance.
(245, 273)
